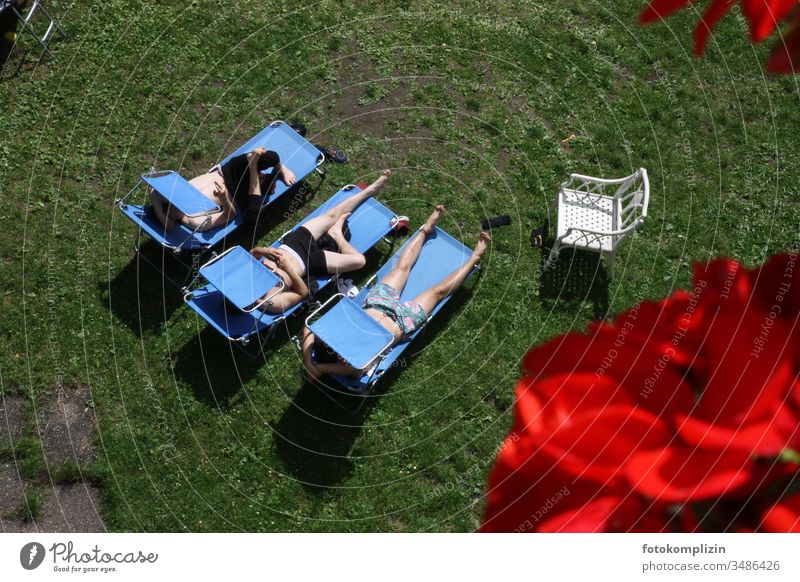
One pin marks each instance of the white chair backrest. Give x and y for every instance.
(633, 196)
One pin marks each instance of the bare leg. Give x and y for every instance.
(430, 298)
(348, 258)
(322, 223)
(398, 276)
(166, 215)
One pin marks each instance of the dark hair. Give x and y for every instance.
(323, 353)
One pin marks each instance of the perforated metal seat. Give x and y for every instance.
(596, 214)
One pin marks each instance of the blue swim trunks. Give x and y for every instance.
(409, 315)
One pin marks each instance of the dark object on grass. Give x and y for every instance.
(400, 224)
(299, 128)
(8, 27)
(538, 235)
(324, 354)
(502, 220)
(332, 154)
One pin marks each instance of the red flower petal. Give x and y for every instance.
(597, 443)
(715, 12)
(764, 438)
(785, 57)
(724, 278)
(749, 368)
(783, 517)
(764, 15)
(647, 373)
(608, 514)
(681, 474)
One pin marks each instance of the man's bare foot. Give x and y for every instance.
(288, 176)
(433, 219)
(381, 182)
(483, 243)
(336, 230)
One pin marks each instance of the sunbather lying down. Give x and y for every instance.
(383, 300)
(237, 184)
(299, 258)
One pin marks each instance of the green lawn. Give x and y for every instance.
(469, 102)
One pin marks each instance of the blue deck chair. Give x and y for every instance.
(360, 340)
(299, 155)
(369, 223)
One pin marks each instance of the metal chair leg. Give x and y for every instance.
(26, 24)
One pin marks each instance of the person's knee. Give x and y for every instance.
(359, 261)
(441, 290)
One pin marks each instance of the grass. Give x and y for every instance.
(470, 104)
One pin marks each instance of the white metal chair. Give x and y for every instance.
(596, 215)
(36, 6)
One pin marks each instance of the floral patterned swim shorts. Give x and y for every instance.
(409, 315)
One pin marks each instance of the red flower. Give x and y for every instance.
(763, 16)
(689, 399)
(785, 57)
(783, 517)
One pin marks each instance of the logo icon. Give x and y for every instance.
(31, 555)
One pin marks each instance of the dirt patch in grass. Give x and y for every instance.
(70, 508)
(58, 499)
(12, 418)
(66, 423)
(12, 492)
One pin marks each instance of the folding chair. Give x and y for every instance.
(37, 6)
(360, 340)
(189, 245)
(592, 218)
(369, 223)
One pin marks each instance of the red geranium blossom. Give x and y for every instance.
(692, 399)
(763, 16)
(783, 516)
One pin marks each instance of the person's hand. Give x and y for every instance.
(255, 154)
(271, 255)
(282, 260)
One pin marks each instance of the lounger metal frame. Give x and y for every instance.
(255, 349)
(375, 373)
(190, 257)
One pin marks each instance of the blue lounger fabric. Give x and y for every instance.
(294, 150)
(441, 255)
(368, 225)
(352, 333)
(298, 154)
(240, 277)
(180, 193)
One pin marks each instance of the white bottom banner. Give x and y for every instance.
(370, 557)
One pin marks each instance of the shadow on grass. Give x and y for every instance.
(318, 430)
(214, 368)
(14, 60)
(575, 279)
(144, 299)
(315, 434)
(139, 295)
